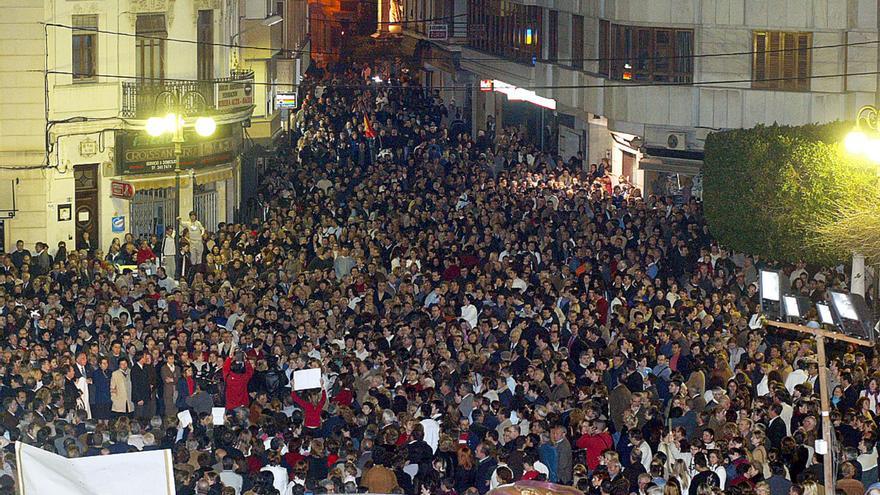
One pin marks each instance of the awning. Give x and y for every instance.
(670, 165)
(165, 180)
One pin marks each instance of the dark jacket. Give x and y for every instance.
(483, 475)
(101, 382)
(140, 384)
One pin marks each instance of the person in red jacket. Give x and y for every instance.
(237, 381)
(595, 439)
(311, 411)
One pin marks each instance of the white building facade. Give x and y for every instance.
(78, 92)
(643, 82)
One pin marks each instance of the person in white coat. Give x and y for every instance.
(278, 471)
(430, 414)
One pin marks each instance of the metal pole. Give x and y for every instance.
(828, 458)
(178, 151)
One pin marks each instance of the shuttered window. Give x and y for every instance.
(84, 44)
(782, 60)
(646, 53)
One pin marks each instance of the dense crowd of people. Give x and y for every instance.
(482, 313)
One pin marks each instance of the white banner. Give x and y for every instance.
(41, 472)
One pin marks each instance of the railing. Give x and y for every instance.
(142, 98)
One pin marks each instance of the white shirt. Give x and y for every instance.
(280, 477)
(722, 474)
(794, 379)
(787, 412)
(432, 432)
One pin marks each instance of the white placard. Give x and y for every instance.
(218, 415)
(307, 379)
(185, 418)
(44, 472)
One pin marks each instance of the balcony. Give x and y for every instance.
(144, 99)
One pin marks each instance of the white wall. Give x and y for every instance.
(22, 118)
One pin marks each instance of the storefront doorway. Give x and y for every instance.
(86, 194)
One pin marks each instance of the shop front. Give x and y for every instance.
(676, 177)
(207, 183)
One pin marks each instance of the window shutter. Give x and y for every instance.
(773, 59)
(789, 61)
(804, 61)
(759, 68)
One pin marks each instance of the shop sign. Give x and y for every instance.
(486, 85)
(138, 153)
(122, 190)
(229, 95)
(437, 32)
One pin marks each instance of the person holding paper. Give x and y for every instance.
(237, 374)
(311, 409)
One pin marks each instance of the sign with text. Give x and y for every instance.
(229, 95)
(121, 189)
(138, 153)
(486, 85)
(437, 32)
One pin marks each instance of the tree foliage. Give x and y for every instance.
(776, 191)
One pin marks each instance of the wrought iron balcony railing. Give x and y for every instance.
(143, 98)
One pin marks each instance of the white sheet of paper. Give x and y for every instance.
(218, 415)
(185, 418)
(307, 379)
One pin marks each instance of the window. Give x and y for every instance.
(85, 48)
(150, 45)
(553, 36)
(604, 46)
(646, 54)
(205, 55)
(506, 29)
(577, 41)
(781, 60)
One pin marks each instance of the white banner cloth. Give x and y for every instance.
(41, 472)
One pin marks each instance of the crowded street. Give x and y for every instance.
(482, 313)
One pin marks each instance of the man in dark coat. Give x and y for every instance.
(486, 465)
(140, 386)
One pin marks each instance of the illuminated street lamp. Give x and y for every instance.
(173, 123)
(860, 142)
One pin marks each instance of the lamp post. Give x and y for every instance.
(859, 142)
(177, 103)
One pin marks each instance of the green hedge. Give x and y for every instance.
(766, 188)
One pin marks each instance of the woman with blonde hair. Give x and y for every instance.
(680, 472)
(759, 449)
(813, 488)
(673, 487)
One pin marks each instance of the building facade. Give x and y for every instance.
(81, 89)
(643, 83)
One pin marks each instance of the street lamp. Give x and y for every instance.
(859, 142)
(173, 123)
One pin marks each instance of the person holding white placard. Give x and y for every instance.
(311, 408)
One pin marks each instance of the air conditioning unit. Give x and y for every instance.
(676, 141)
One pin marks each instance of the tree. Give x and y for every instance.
(786, 193)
